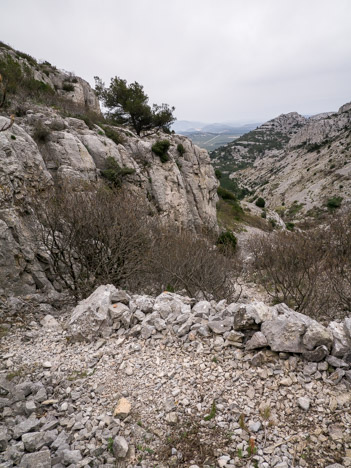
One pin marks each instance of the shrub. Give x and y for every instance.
(68, 87)
(41, 133)
(115, 136)
(218, 174)
(260, 202)
(225, 194)
(180, 149)
(227, 239)
(114, 173)
(13, 137)
(160, 148)
(334, 202)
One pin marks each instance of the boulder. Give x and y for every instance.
(202, 309)
(91, 318)
(36, 460)
(258, 340)
(342, 343)
(170, 303)
(250, 316)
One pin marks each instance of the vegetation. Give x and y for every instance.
(160, 148)
(260, 202)
(225, 194)
(180, 149)
(114, 135)
(67, 86)
(103, 235)
(114, 173)
(41, 133)
(128, 104)
(227, 239)
(334, 202)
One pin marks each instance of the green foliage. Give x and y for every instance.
(290, 226)
(114, 173)
(180, 149)
(218, 174)
(13, 137)
(260, 202)
(212, 412)
(110, 444)
(160, 148)
(128, 104)
(227, 239)
(225, 194)
(67, 86)
(41, 133)
(115, 136)
(334, 202)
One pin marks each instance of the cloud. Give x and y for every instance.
(214, 60)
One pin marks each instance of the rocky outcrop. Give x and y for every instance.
(182, 190)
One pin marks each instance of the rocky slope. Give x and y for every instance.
(46, 145)
(140, 381)
(294, 162)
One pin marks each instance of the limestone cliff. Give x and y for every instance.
(46, 144)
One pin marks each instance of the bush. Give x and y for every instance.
(41, 133)
(160, 148)
(260, 202)
(225, 194)
(68, 87)
(114, 173)
(228, 240)
(334, 203)
(115, 136)
(180, 149)
(218, 174)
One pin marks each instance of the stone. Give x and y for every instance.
(258, 359)
(120, 447)
(250, 316)
(47, 365)
(30, 407)
(122, 409)
(336, 376)
(172, 418)
(286, 382)
(36, 460)
(116, 311)
(33, 441)
(258, 340)
(90, 318)
(170, 303)
(71, 457)
(50, 322)
(342, 343)
(284, 334)
(255, 426)
(4, 437)
(219, 327)
(335, 362)
(317, 335)
(310, 368)
(120, 296)
(317, 355)
(202, 309)
(304, 403)
(144, 304)
(30, 424)
(146, 331)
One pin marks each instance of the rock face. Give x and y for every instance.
(182, 190)
(294, 161)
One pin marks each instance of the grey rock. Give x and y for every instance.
(202, 309)
(310, 368)
(33, 441)
(258, 340)
(250, 316)
(170, 303)
(91, 317)
(304, 403)
(71, 457)
(30, 407)
(284, 334)
(36, 460)
(342, 343)
(120, 296)
(117, 311)
(317, 355)
(146, 331)
(143, 303)
(255, 426)
(336, 376)
(120, 447)
(50, 322)
(335, 362)
(4, 437)
(219, 327)
(30, 424)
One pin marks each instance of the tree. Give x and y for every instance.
(128, 104)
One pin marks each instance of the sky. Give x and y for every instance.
(214, 60)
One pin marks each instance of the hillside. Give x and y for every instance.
(60, 137)
(292, 161)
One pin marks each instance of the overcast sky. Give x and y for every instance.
(214, 60)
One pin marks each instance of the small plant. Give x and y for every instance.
(227, 239)
(334, 202)
(218, 174)
(212, 412)
(41, 133)
(115, 136)
(215, 360)
(67, 86)
(160, 148)
(13, 137)
(180, 149)
(114, 172)
(110, 444)
(290, 226)
(260, 202)
(225, 194)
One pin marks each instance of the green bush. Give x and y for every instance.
(260, 202)
(160, 148)
(218, 174)
(41, 133)
(290, 226)
(225, 194)
(227, 239)
(115, 136)
(180, 149)
(67, 86)
(114, 173)
(334, 202)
